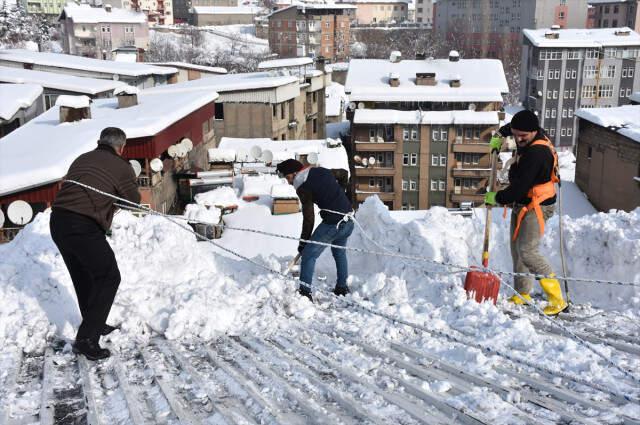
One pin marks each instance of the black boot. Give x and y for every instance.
(90, 349)
(341, 291)
(107, 329)
(305, 293)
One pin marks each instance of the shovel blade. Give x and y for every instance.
(482, 286)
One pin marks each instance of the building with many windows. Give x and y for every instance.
(373, 12)
(615, 13)
(420, 129)
(564, 70)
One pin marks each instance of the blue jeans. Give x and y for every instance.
(327, 233)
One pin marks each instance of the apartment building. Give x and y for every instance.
(493, 28)
(312, 29)
(371, 12)
(95, 32)
(615, 13)
(420, 129)
(565, 70)
(424, 12)
(157, 11)
(223, 15)
(50, 8)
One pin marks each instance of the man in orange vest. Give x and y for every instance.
(532, 196)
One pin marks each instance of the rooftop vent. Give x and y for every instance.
(555, 27)
(455, 81)
(454, 56)
(394, 79)
(127, 96)
(623, 31)
(395, 56)
(426, 79)
(320, 63)
(420, 56)
(74, 108)
(107, 8)
(552, 35)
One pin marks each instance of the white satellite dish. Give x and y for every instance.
(357, 159)
(365, 162)
(137, 168)
(19, 212)
(1, 219)
(182, 150)
(352, 106)
(187, 144)
(156, 165)
(312, 158)
(172, 151)
(267, 156)
(372, 160)
(256, 152)
(242, 155)
(472, 106)
(361, 105)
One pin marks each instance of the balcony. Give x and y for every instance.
(375, 147)
(463, 196)
(384, 196)
(471, 147)
(375, 171)
(471, 172)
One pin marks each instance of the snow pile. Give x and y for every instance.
(130, 90)
(283, 191)
(220, 197)
(202, 214)
(17, 96)
(336, 100)
(73, 101)
(222, 155)
(259, 185)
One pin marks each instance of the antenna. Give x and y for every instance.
(472, 106)
(357, 159)
(267, 156)
(361, 105)
(172, 151)
(137, 168)
(1, 219)
(19, 212)
(187, 144)
(312, 158)
(156, 165)
(352, 106)
(256, 152)
(372, 160)
(365, 162)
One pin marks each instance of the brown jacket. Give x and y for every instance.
(102, 169)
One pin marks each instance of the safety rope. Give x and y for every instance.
(625, 372)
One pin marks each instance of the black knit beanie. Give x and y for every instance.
(289, 166)
(525, 121)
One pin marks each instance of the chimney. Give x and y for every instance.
(426, 79)
(127, 96)
(107, 8)
(395, 57)
(454, 56)
(623, 32)
(74, 108)
(552, 35)
(455, 81)
(320, 63)
(394, 79)
(420, 56)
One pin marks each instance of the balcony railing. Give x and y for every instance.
(471, 147)
(384, 196)
(467, 196)
(375, 146)
(471, 172)
(375, 171)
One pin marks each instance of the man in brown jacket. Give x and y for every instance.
(80, 218)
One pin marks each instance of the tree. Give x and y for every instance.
(17, 27)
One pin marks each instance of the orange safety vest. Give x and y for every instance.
(540, 192)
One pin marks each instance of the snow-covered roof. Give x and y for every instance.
(336, 100)
(376, 1)
(331, 153)
(635, 97)
(593, 37)
(17, 96)
(41, 151)
(226, 10)
(390, 116)
(605, 1)
(283, 63)
(482, 80)
(73, 101)
(60, 60)
(56, 81)
(85, 14)
(185, 65)
(338, 66)
(622, 119)
(313, 6)
(232, 82)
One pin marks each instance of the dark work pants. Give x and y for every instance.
(91, 264)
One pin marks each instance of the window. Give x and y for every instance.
(440, 133)
(622, 92)
(327, 24)
(315, 125)
(326, 37)
(442, 185)
(405, 159)
(547, 113)
(549, 94)
(553, 113)
(552, 132)
(628, 92)
(570, 113)
(468, 133)
(443, 160)
(413, 185)
(372, 182)
(434, 185)
(630, 72)
(219, 111)
(564, 113)
(405, 185)
(372, 133)
(414, 159)
(550, 75)
(282, 111)
(605, 90)
(275, 110)
(563, 132)
(588, 92)
(572, 94)
(574, 74)
(556, 74)
(414, 134)
(589, 152)
(476, 133)
(624, 72)
(555, 94)
(434, 160)
(592, 54)
(589, 71)
(566, 94)
(405, 134)
(567, 74)
(608, 71)
(569, 131)
(540, 74)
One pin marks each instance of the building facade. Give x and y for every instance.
(615, 13)
(372, 12)
(95, 32)
(565, 70)
(420, 129)
(157, 11)
(424, 12)
(51, 9)
(312, 30)
(223, 15)
(608, 158)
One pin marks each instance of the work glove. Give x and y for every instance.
(301, 246)
(490, 198)
(495, 144)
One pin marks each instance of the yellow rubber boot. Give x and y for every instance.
(551, 287)
(518, 299)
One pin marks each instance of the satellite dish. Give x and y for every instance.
(19, 212)
(116, 77)
(187, 144)
(472, 106)
(137, 168)
(267, 156)
(372, 160)
(352, 106)
(1, 219)
(365, 162)
(357, 159)
(313, 158)
(360, 105)
(172, 151)
(182, 150)
(156, 165)
(241, 155)
(256, 152)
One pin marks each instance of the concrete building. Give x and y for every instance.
(55, 85)
(157, 11)
(95, 32)
(493, 28)
(261, 104)
(608, 158)
(371, 12)
(20, 104)
(615, 13)
(189, 71)
(424, 12)
(565, 70)
(50, 8)
(134, 74)
(426, 124)
(223, 15)
(313, 29)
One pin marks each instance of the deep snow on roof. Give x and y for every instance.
(592, 37)
(41, 151)
(58, 81)
(15, 97)
(85, 14)
(622, 119)
(232, 82)
(336, 100)
(186, 65)
(283, 63)
(60, 60)
(482, 80)
(226, 10)
(635, 97)
(390, 116)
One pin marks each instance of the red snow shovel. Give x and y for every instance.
(482, 285)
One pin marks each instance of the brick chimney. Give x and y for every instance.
(74, 108)
(394, 79)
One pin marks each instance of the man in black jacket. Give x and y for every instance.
(532, 197)
(317, 185)
(79, 221)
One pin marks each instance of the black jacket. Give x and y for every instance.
(534, 164)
